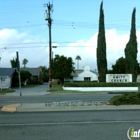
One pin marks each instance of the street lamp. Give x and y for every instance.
(52, 51)
(54, 46)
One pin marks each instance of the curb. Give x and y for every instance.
(68, 109)
(11, 107)
(41, 107)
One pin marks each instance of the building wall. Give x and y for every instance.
(81, 76)
(86, 73)
(5, 82)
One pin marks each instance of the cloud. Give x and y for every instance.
(8, 35)
(38, 53)
(28, 46)
(115, 45)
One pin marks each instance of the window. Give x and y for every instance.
(87, 78)
(2, 78)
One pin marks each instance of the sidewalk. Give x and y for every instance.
(34, 91)
(38, 107)
(17, 93)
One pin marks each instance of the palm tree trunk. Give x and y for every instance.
(77, 64)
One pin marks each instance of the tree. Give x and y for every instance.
(101, 48)
(24, 62)
(138, 66)
(45, 74)
(131, 50)
(25, 75)
(62, 67)
(13, 63)
(118, 67)
(78, 58)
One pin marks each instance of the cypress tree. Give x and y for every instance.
(131, 50)
(101, 48)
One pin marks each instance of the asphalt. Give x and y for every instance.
(37, 107)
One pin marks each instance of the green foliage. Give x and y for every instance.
(25, 75)
(24, 62)
(33, 80)
(78, 58)
(131, 50)
(4, 91)
(100, 84)
(45, 74)
(126, 99)
(14, 63)
(15, 80)
(101, 48)
(119, 67)
(62, 67)
(138, 66)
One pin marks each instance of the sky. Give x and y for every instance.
(23, 28)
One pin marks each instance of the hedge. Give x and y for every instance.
(126, 99)
(98, 84)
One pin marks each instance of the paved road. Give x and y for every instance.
(86, 125)
(54, 98)
(39, 95)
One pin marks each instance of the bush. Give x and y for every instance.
(33, 80)
(99, 84)
(126, 99)
(24, 76)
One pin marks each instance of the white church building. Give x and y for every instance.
(84, 75)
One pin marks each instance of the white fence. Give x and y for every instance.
(101, 88)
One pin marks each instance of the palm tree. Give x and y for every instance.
(13, 63)
(25, 61)
(78, 58)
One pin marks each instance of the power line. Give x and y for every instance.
(28, 37)
(74, 25)
(22, 47)
(25, 26)
(23, 43)
(44, 44)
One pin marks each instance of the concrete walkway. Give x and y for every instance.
(37, 107)
(34, 91)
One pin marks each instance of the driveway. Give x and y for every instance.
(35, 91)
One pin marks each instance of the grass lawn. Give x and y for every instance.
(4, 91)
(57, 89)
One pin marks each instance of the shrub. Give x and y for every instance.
(99, 84)
(126, 99)
(24, 76)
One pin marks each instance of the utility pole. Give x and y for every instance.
(18, 68)
(48, 18)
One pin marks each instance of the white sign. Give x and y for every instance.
(119, 78)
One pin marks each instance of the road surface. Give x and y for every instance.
(54, 98)
(85, 125)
